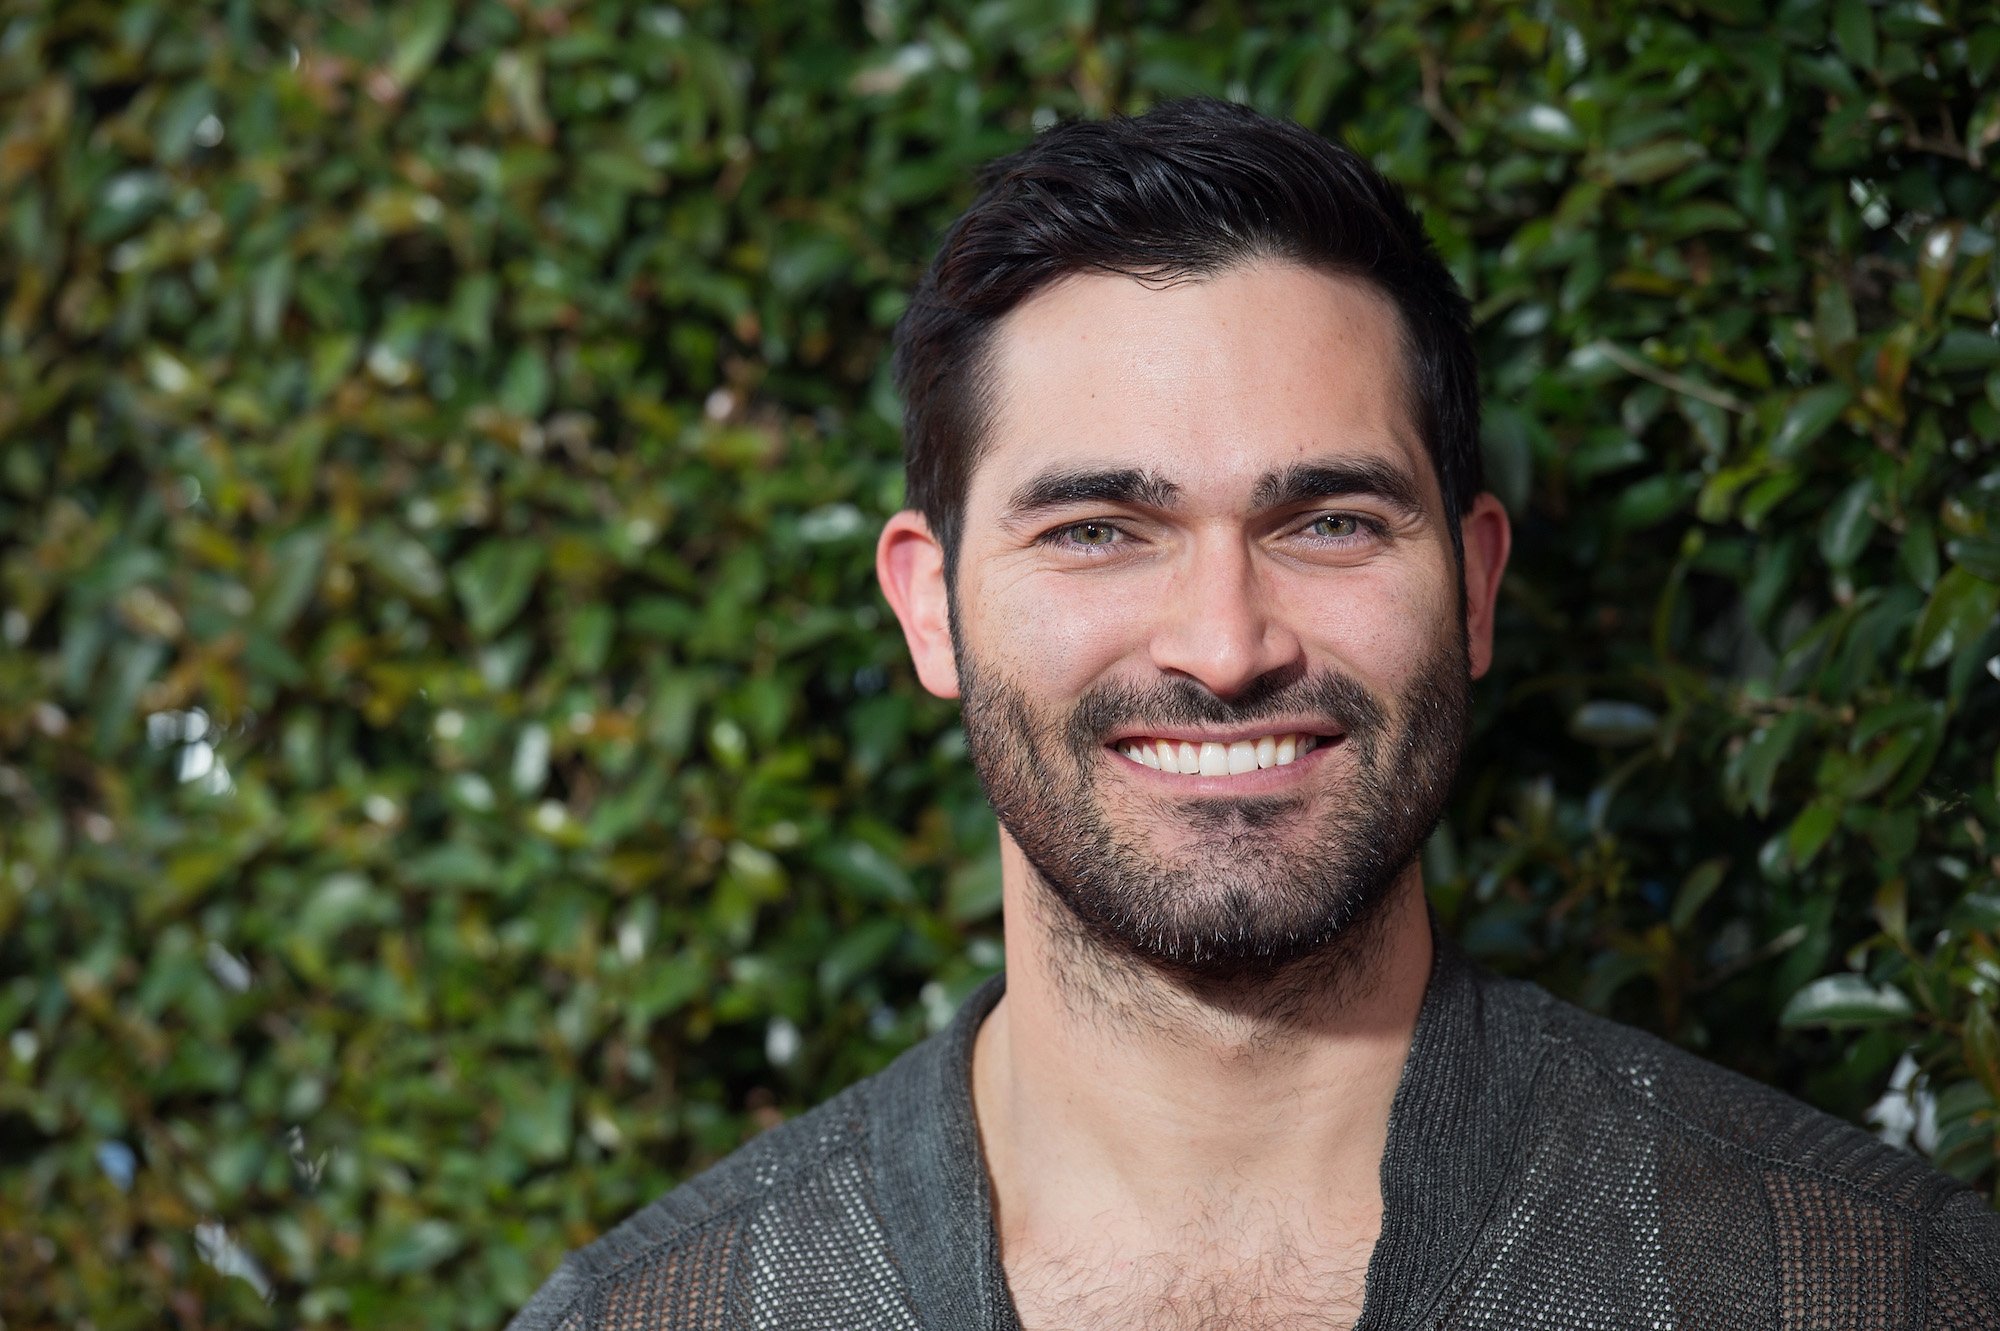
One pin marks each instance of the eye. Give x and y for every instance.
(1091, 535)
(1335, 526)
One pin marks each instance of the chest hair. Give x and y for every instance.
(1282, 1285)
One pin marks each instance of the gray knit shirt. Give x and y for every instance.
(1545, 1169)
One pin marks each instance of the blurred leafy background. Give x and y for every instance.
(457, 777)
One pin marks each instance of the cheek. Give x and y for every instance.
(1380, 627)
(1060, 634)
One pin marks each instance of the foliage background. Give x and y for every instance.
(456, 776)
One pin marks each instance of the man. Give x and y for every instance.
(1196, 534)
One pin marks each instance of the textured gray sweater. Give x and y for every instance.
(1545, 1169)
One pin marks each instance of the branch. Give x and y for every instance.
(1645, 369)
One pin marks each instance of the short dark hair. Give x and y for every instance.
(1182, 192)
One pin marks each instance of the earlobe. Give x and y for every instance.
(1488, 537)
(909, 563)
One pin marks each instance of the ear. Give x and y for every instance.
(1488, 537)
(909, 562)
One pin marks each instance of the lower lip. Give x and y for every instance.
(1242, 783)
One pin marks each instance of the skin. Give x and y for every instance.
(1216, 1162)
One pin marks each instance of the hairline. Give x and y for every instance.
(980, 372)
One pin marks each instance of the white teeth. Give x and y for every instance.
(1185, 758)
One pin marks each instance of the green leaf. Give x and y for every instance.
(539, 1118)
(1982, 1046)
(1810, 831)
(524, 387)
(973, 892)
(404, 562)
(1834, 322)
(1963, 349)
(1893, 833)
(668, 985)
(1653, 161)
(1701, 215)
(421, 29)
(1843, 1002)
(1977, 555)
(1709, 422)
(1757, 765)
(183, 114)
(759, 873)
(494, 582)
(1937, 253)
(1808, 418)
(134, 663)
(867, 872)
(1844, 531)
(1959, 612)
(1611, 723)
(1883, 765)
(297, 558)
(417, 1247)
(1542, 125)
(1696, 888)
(270, 293)
(1918, 553)
(859, 952)
(1652, 500)
(1978, 910)
(1892, 910)
(1854, 30)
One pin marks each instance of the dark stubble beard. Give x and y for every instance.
(1252, 898)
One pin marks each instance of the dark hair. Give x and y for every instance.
(1182, 192)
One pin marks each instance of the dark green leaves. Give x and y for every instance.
(1845, 529)
(1807, 418)
(1959, 614)
(1854, 30)
(445, 710)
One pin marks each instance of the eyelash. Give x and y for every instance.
(1366, 528)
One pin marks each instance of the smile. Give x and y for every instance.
(1211, 758)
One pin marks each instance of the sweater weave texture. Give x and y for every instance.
(1545, 1169)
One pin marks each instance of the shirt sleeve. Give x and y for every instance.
(557, 1305)
(1963, 1291)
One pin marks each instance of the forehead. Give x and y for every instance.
(1213, 383)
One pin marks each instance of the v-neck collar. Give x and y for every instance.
(1457, 1106)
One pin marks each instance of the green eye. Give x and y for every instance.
(1093, 533)
(1334, 526)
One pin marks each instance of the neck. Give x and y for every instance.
(1111, 1096)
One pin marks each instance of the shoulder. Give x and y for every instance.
(682, 1261)
(1741, 1175)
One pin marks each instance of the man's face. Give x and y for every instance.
(1205, 536)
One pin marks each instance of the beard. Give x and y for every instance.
(1221, 892)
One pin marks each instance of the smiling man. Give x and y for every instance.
(1196, 534)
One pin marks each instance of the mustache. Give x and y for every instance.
(1321, 692)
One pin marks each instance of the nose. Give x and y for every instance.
(1218, 623)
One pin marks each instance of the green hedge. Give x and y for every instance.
(456, 776)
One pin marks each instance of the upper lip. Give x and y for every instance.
(1187, 735)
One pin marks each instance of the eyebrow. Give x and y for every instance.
(1307, 481)
(1297, 484)
(1059, 489)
